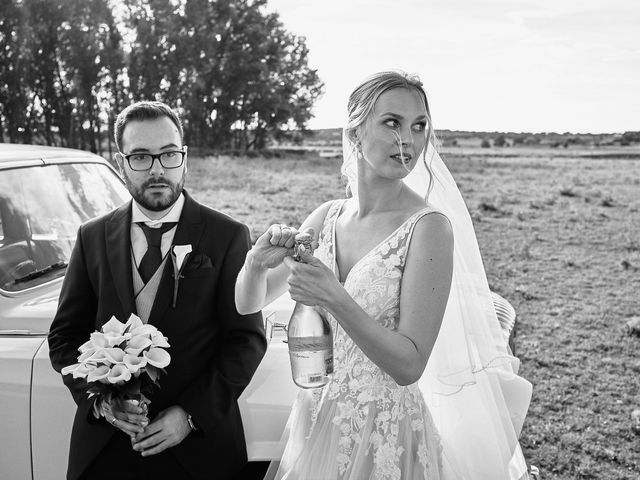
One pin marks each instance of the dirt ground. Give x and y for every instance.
(560, 238)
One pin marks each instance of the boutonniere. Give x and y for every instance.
(179, 257)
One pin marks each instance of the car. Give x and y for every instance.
(45, 194)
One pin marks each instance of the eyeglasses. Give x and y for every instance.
(144, 161)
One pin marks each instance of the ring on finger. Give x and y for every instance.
(113, 421)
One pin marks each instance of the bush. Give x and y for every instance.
(500, 141)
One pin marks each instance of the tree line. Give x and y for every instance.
(67, 67)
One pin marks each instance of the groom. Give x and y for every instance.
(121, 264)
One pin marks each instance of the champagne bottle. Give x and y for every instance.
(309, 336)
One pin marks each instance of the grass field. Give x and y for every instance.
(560, 237)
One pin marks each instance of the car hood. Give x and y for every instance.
(29, 312)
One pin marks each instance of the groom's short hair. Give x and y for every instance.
(145, 110)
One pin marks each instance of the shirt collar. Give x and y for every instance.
(172, 215)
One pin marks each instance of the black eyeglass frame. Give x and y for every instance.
(155, 156)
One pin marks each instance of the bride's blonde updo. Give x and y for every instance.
(362, 102)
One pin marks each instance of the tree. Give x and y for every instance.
(91, 41)
(630, 137)
(232, 70)
(280, 90)
(236, 86)
(248, 80)
(485, 143)
(500, 141)
(151, 62)
(13, 85)
(519, 139)
(49, 107)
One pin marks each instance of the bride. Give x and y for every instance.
(423, 387)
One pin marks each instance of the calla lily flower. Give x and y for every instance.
(114, 326)
(85, 356)
(99, 340)
(96, 357)
(159, 340)
(119, 374)
(98, 374)
(70, 368)
(181, 251)
(114, 339)
(137, 344)
(114, 355)
(144, 329)
(88, 345)
(83, 371)
(134, 363)
(133, 322)
(157, 357)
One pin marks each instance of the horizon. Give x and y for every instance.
(527, 66)
(510, 132)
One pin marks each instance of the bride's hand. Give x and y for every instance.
(312, 282)
(272, 247)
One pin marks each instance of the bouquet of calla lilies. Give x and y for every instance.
(122, 359)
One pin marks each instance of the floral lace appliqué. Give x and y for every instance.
(368, 400)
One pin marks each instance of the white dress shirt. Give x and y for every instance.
(138, 238)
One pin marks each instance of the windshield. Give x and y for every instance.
(41, 208)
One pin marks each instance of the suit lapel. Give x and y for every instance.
(118, 248)
(188, 232)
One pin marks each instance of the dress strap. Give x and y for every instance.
(411, 224)
(329, 220)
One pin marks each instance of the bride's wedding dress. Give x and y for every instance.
(362, 425)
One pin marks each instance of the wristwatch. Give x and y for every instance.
(191, 422)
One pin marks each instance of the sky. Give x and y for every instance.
(495, 65)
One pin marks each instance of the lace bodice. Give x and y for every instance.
(358, 386)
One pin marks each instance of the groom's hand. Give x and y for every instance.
(167, 430)
(130, 416)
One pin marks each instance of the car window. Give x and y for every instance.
(41, 208)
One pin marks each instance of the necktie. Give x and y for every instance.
(153, 256)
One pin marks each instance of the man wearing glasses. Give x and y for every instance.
(123, 263)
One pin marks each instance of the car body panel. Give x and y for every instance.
(52, 412)
(29, 311)
(11, 153)
(266, 402)
(264, 405)
(16, 354)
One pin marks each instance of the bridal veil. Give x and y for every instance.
(471, 381)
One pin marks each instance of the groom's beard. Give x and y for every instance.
(154, 201)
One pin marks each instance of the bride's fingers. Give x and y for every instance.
(275, 232)
(291, 237)
(282, 235)
(305, 255)
(300, 294)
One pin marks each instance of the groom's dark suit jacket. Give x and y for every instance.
(214, 350)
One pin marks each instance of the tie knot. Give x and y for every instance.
(154, 235)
